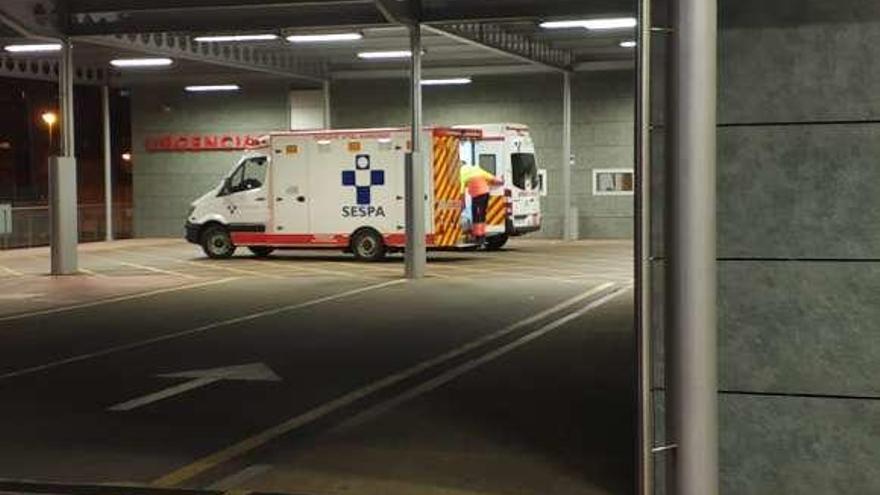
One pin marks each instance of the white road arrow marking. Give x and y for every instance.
(254, 372)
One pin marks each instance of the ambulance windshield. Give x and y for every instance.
(525, 171)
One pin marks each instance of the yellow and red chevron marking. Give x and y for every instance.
(496, 213)
(447, 191)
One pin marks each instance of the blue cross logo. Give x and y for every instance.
(362, 178)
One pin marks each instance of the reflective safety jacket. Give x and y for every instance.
(476, 180)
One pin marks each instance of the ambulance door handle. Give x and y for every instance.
(399, 198)
(279, 199)
(301, 199)
(259, 199)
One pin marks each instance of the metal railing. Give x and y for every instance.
(30, 224)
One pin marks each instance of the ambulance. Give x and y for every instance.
(344, 189)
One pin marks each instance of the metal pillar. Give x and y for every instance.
(62, 176)
(416, 257)
(108, 165)
(568, 227)
(645, 433)
(327, 117)
(692, 422)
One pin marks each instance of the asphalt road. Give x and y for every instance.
(500, 373)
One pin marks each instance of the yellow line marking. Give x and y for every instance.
(115, 299)
(249, 444)
(10, 271)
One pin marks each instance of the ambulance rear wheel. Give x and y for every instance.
(216, 242)
(496, 242)
(368, 245)
(261, 251)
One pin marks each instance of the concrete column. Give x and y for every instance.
(644, 335)
(63, 236)
(327, 116)
(416, 255)
(108, 164)
(569, 228)
(691, 353)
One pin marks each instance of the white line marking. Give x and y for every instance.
(463, 368)
(244, 446)
(114, 299)
(234, 480)
(92, 273)
(219, 266)
(150, 268)
(253, 372)
(14, 273)
(193, 331)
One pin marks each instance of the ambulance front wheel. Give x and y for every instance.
(216, 242)
(368, 245)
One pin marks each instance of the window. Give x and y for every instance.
(248, 176)
(489, 163)
(525, 172)
(612, 182)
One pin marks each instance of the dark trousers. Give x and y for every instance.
(479, 205)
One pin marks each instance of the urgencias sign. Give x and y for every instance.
(201, 142)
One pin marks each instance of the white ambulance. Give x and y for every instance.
(341, 189)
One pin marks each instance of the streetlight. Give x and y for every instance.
(50, 118)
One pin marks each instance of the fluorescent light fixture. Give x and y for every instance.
(141, 62)
(593, 24)
(327, 37)
(443, 82)
(236, 37)
(386, 54)
(212, 87)
(33, 48)
(628, 44)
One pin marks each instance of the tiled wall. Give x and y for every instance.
(798, 247)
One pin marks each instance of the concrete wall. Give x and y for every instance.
(602, 130)
(165, 183)
(798, 243)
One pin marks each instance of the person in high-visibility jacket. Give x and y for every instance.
(477, 183)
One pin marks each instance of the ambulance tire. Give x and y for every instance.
(368, 245)
(496, 242)
(261, 251)
(216, 242)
